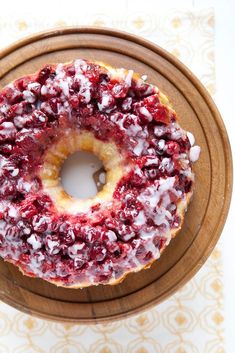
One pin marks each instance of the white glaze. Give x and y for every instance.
(194, 153)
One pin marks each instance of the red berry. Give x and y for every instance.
(79, 250)
(161, 114)
(74, 101)
(126, 104)
(44, 74)
(120, 90)
(40, 223)
(28, 210)
(98, 252)
(22, 83)
(25, 258)
(6, 148)
(7, 131)
(53, 244)
(172, 147)
(13, 95)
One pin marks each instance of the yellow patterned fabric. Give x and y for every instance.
(192, 320)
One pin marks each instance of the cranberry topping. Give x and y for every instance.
(102, 244)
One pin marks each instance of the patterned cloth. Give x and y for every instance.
(192, 320)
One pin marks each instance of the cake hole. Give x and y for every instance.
(82, 175)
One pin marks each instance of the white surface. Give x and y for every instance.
(224, 98)
(76, 174)
(225, 74)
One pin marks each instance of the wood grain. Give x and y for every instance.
(207, 212)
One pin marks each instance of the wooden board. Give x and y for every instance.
(207, 212)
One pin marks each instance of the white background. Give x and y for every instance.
(225, 92)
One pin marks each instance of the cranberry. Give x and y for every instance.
(142, 254)
(98, 218)
(120, 90)
(12, 213)
(138, 178)
(131, 202)
(44, 74)
(133, 122)
(109, 236)
(106, 102)
(90, 234)
(69, 237)
(20, 109)
(53, 244)
(161, 114)
(34, 241)
(151, 173)
(53, 104)
(7, 131)
(98, 252)
(70, 70)
(25, 258)
(28, 210)
(126, 104)
(40, 223)
(150, 161)
(160, 130)
(125, 249)
(8, 189)
(151, 101)
(38, 119)
(166, 166)
(74, 101)
(48, 267)
(28, 96)
(113, 248)
(159, 242)
(142, 89)
(151, 151)
(127, 215)
(184, 144)
(13, 232)
(79, 250)
(26, 139)
(125, 232)
(78, 263)
(22, 83)
(185, 184)
(84, 94)
(8, 168)
(13, 95)
(76, 86)
(2, 118)
(24, 227)
(143, 112)
(67, 266)
(35, 88)
(111, 224)
(171, 208)
(105, 272)
(172, 147)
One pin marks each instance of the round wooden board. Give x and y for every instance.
(206, 214)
